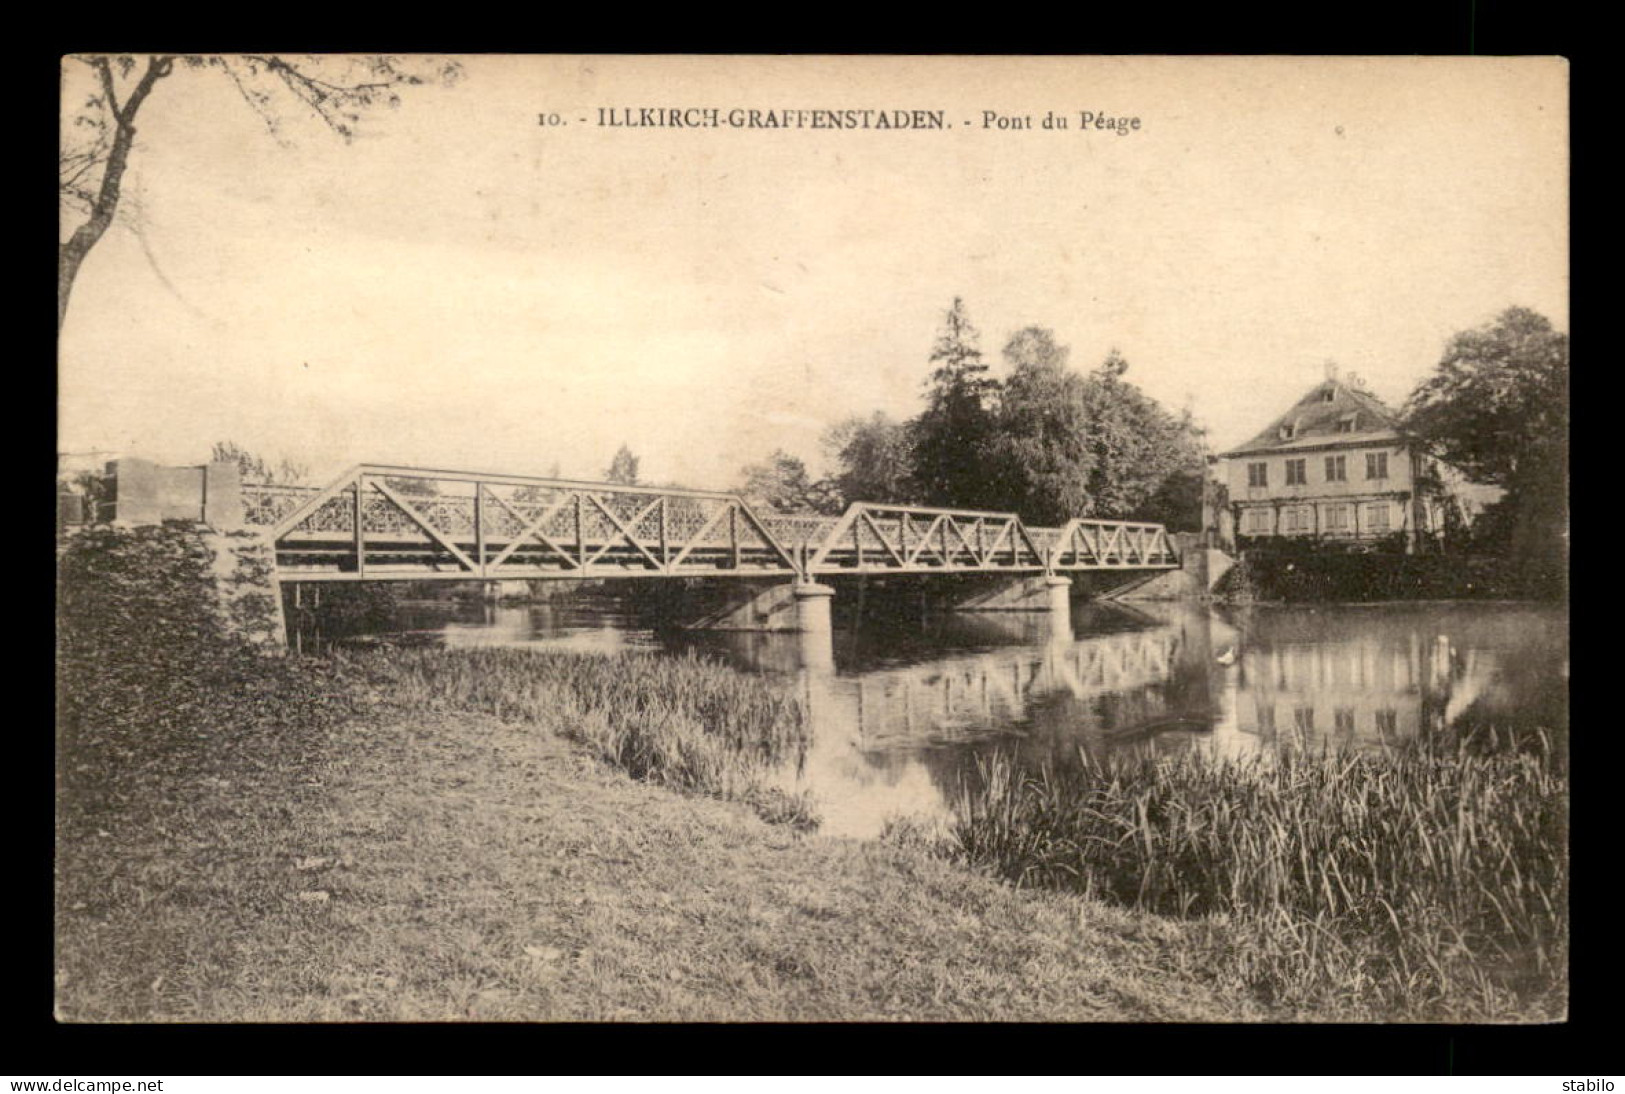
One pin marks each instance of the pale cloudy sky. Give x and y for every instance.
(462, 287)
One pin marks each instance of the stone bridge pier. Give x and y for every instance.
(800, 607)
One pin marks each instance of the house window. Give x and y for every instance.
(1344, 719)
(1296, 472)
(1387, 722)
(1376, 465)
(1258, 521)
(1258, 474)
(1337, 469)
(1297, 518)
(1288, 430)
(1337, 518)
(1376, 517)
(1328, 394)
(1345, 424)
(1304, 719)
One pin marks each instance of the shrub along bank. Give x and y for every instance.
(1311, 571)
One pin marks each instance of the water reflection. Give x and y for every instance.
(1380, 677)
(902, 708)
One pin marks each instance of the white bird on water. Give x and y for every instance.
(1228, 657)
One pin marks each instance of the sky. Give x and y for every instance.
(464, 287)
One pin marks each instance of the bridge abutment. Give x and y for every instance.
(1201, 567)
(149, 493)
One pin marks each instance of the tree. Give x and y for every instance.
(1137, 445)
(873, 458)
(1070, 445)
(1497, 408)
(255, 468)
(950, 440)
(623, 468)
(1041, 453)
(781, 483)
(412, 488)
(99, 137)
(1035, 349)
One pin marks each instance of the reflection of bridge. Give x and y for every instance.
(872, 753)
(378, 523)
(982, 691)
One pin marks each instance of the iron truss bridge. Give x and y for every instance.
(381, 523)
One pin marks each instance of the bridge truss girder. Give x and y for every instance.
(380, 523)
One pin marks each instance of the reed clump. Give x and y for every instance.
(689, 722)
(1407, 885)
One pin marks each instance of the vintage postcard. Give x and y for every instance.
(745, 538)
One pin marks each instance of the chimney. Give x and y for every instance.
(1331, 369)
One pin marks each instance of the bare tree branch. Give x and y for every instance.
(335, 103)
(72, 253)
(255, 100)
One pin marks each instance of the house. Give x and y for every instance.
(1336, 465)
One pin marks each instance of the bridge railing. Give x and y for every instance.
(800, 532)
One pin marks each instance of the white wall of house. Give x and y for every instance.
(1347, 491)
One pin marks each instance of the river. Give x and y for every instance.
(915, 698)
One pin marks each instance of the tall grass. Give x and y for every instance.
(686, 722)
(1404, 885)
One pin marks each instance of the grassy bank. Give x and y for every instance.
(454, 866)
(325, 843)
(427, 836)
(1408, 886)
(686, 723)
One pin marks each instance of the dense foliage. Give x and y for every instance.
(153, 687)
(1304, 570)
(872, 457)
(1049, 442)
(781, 483)
(950, 440)
(1497, 406)
(689, 723)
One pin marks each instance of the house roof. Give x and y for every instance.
(1317, 420)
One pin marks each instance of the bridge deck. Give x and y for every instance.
(377, 523)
